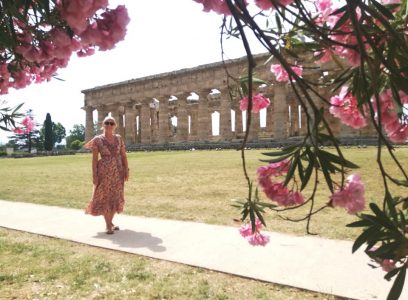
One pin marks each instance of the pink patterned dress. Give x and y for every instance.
(107, 196)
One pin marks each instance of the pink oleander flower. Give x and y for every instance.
(395, 127)
(255, 238)
(344, 107)
(218, 6)
(388, 265)
(267, 4)
(277, 191)
(273, 169)
(18, 130)
(351, 197)
(281, 74)
(258, 239)
(258, 102)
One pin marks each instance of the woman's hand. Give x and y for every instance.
(95, 180)
(126, 174)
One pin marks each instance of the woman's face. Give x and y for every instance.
(109, 125)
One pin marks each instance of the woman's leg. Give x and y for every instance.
(108, 220)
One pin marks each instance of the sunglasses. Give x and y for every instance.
(109, 123)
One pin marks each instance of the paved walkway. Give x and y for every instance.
(309, 263)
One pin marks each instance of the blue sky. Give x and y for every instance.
(162, 36)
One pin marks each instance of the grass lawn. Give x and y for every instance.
(193, 185)
(186, 185)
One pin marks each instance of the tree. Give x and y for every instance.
(48, 133)
(58, 132)
(76, 134)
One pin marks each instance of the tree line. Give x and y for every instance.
(47, 136)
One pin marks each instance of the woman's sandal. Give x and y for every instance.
(114, 227)
(109, 231)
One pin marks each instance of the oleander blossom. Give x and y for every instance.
(267, 4)
(344, 106)
(258, 102)
(281, 74)
(28, 126)
(351, 197)
(387, 265)
(277, 191)
(217, 6)
(255, 238)
(396, 127)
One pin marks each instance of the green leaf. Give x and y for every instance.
(292, 168)
(309, 169)
(360, 223)
(338, 160)
(385, 251)
(391, 206)
(391, 274)
(398, 285)
(382, 218)
(284, 150)
(362, 238)
(325, 169)
(277, 159)
(300, 169)
(383, 10)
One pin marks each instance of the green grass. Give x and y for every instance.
(193, 185)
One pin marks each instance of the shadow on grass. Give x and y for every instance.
(132, 239)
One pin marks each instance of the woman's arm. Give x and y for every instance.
(124, 161)
(95, 154)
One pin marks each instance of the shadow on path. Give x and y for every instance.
(132, 239)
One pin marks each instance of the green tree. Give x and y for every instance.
(76, 134)
(48, 133)
(58, 132)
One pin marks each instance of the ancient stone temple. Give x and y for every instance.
(185, 106)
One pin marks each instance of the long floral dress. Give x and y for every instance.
(108, 195)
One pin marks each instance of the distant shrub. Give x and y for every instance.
(76, 145)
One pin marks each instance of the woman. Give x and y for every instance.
(109, 174)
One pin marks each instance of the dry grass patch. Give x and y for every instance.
(36, 267)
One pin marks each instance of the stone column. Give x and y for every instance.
(153, 125)
(130, 124)
(102, 113)
(194, 122)
(144, 125)
(204, 118)
(88, 123)
(225, 116)
(182, 118)
(238, 122)
(280, 111)
(269, 116)
(254, 130)
(164, 120)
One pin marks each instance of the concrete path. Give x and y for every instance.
(309, 263)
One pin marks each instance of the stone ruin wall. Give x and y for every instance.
(143, 106)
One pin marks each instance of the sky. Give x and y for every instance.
(162, 36)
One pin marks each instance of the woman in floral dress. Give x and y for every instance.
(109, 174)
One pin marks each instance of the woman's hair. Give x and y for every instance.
(109, 118)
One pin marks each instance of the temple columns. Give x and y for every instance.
(279, 111)
(89, 123)
(204, 117)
